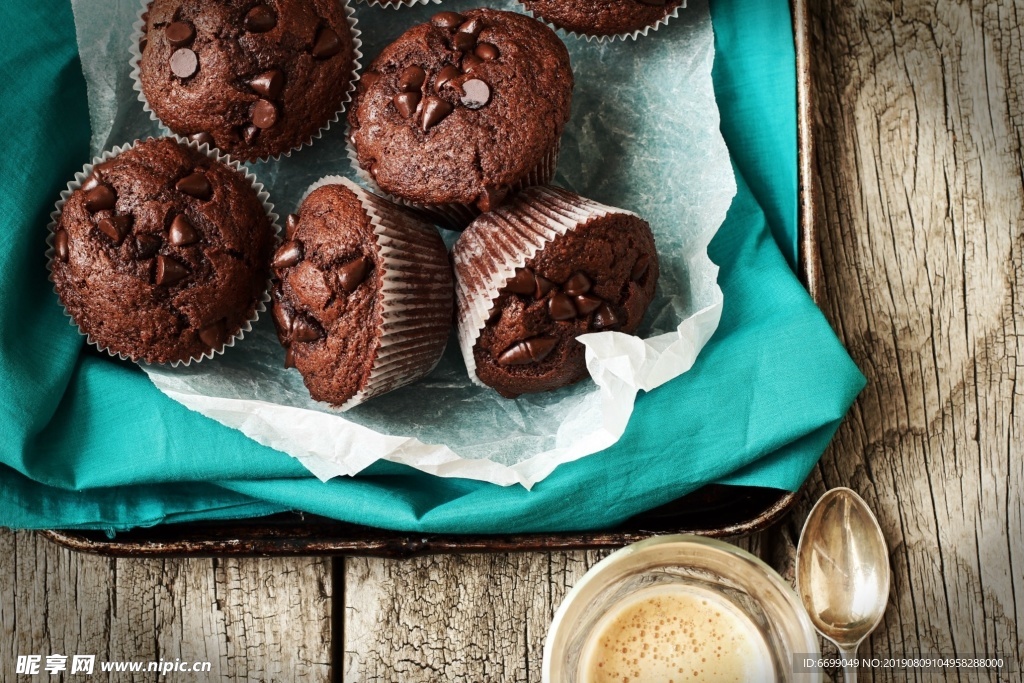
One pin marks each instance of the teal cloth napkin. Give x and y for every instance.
(88, 442)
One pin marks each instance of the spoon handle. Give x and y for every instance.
(849, 668)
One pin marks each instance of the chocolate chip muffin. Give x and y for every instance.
(254, 79)
(461, 111)
(603, 17)
(363, 294)
(537, 273)
(162, 254)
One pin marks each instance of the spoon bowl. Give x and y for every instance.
(842, 571)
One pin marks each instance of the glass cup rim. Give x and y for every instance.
(607, 569)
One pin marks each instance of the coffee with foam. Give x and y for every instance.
(675, 633)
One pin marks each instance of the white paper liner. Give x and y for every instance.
(357, 43)
(216, 155)
(413, 257)
(457, 216)
(632, 35)
(395, 4)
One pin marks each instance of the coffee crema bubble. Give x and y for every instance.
(675, 633)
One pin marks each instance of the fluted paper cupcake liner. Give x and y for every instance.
(357, 43)
(488, 254)
(454, 215)
(396, 4)
(415, 294)
(632, 35)
(216, 155)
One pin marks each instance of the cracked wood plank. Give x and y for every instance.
(252, 619)
(919, 124)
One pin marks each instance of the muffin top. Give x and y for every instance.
(600, 275)
(602, 17)
(162, 254)
(462, 108)
(327, 303)
(253, 79)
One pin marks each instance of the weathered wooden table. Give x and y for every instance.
(920, 126)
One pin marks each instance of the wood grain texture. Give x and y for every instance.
(920, 115)
(919, 123)
(251, 619)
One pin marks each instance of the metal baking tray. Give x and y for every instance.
(713, 510)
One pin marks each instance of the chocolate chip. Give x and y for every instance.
(640, 267)
(202, 138)
(100, 198)
(560, 307)
(445, 75)
(269, 83)
(184, 63)
(411, 78)
(605, 317)
(60, 245)
(544, 286)
(143, 42)
(92, 182)
(264, 114)
(291, 224)
(169, 271)
(250, 134)
(448, 20)
(260, 19)
(434, 111)
(289, 358)
(577, 284)
(304, 331)
(463, 41)
(586, 304)
(530, 351)
(195, 185)
(477, 93)
(283, 318)
(406, 102)
(146, 246)
(179, 33)
(470, 62)
(213, 335)
(471, 27)
(486, 52)
(288, 254)
(522, 283)
(368, 79)
(182, 233)
(327, 44)
(352, 274)
(115, 227)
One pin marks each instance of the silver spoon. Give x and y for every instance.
(842, 572)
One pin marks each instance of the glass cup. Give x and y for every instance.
(731, 579)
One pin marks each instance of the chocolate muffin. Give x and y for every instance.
(459, 112)
(254, 79)
(604, 17)
(162, 254)
(537, 273)
(363, 295)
